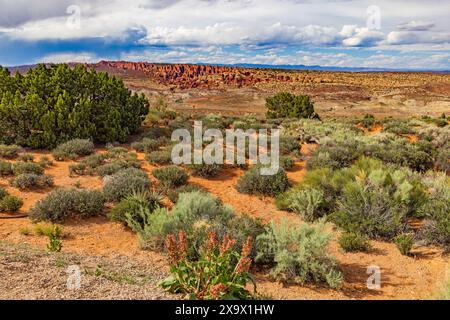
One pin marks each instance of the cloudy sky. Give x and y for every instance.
(347, 33)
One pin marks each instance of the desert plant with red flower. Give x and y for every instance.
(219, 273)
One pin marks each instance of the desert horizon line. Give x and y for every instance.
(243, 65)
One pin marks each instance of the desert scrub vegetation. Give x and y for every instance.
(436, 210)
(148, 144)
(9, 151)
(171, 176)
(197, 213)
(219, 273)
(404, 243)
(174, 194)
(161, 157)
(61, 204)
(368, 198)
(124, 183)
(74, 102)
(27, 167)
(6, 168)
(107, 164)
(73, 149)
(353, 242)
(32, 181)
(128, 209)
(205, 170)
(287, 105)
(9, 203)
(298, 254)
(253, 182)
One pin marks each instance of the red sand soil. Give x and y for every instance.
(402, 277)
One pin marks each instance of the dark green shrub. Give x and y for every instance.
(353, 242)
(298, 254)
(3, 193)
(287, 105)
(370, 208)
(368, 121)
(253, 182)
(289, 145)
(73, 149)
(59, 103)
(174, 194)
(5, 168)
(9, 151)
(9, 203)
(124, 183)
(61, 204)
(436, 229)
(287, 162)
(171, 176)
(308, 203)
(404, 243)
(159, 157)
(158, 132)
(32, 181)
(146, 145)
(132, 204)
(27, 167)
(205, 170)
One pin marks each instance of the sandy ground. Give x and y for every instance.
(402, 277)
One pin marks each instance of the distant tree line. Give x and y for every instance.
(51, 105)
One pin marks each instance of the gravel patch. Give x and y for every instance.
(29, 273)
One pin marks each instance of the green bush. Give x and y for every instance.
(27, 167)
(287, 162)
(115, 166)
(205, 170)
(124, 183)
(287, 105)
(132, 204)
(9, 203)
(354, 242)
(45, 162)
(59, 103)
(220, 272)
(146, 145)
(197, 213)
(404, 243)
(3, 193)
(298, 254)
(5, 168)
(25, 157)
(159, 157)
(73, 149)
(61, 204)
(253, 182)
(171, 176)
(370, 208)
(289, 145)
(437, 227)
(9, 151)
(174, 194)
(32, 181)
(243, 226)
(307, 203)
